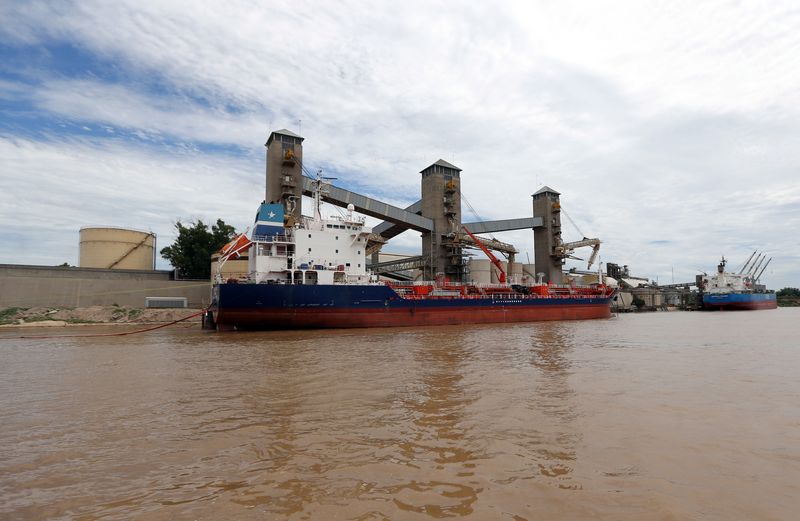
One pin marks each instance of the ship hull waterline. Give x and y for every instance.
(739, 301)
(740, 306)
(298, 307)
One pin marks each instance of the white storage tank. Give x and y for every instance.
(515, 272)
(479, 271)
(117, 248)
(495, 278)
(528, 274)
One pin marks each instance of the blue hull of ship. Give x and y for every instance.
(279, 306)
(739, 301)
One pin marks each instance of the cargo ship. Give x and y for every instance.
(729, 291)
(312, 273)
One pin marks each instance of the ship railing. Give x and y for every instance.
(496, 297)
(271, 238)
(410, 295)
(232, 277)
(473, 284)
(489, 291)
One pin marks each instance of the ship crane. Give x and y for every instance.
(492, 258)
(755, 280)
(741, 271)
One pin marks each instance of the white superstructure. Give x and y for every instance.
(725, 282)
(746, 280)
(316, 250)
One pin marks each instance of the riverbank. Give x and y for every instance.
(788, 302)
(92, 315)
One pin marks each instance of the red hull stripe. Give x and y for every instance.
(332, 318)
(743, 306)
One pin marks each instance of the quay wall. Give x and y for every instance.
(46, 286)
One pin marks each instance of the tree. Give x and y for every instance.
(788, 297)
(190, 254)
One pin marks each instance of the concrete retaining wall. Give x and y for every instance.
(46, 286)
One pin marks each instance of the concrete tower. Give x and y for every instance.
(547, 239)
(441, 202)
(284, 172)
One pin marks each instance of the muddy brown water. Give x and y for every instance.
(662, 416)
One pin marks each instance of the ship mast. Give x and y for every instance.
(318, 191)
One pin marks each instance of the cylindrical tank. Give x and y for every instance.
(117, 248)
(515, 272)
(528, 274)
(479, 271)
(495, 278)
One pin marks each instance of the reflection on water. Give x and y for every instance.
(438, 443)
(553, 396)
(661, 416)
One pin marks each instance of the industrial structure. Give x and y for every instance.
(117, 248)
(436, 216)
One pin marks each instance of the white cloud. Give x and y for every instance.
(716, 55)
(53, 189)
(656, 122)
(117, 105)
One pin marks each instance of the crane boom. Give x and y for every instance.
(581, 243)
(565, 250)
(489, 254)
(746, 263)
(754, 269)
(568, 247)
(593, 256)
(762, 270)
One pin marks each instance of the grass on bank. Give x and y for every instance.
(121, 312)
(14, 315)
(89, 315)
(9, 315)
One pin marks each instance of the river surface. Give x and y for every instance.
(661, 416)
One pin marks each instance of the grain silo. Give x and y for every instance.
(117, 248)
(515, 272)
(480, 271)
(529, 274)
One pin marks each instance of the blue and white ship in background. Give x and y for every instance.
(740, 290)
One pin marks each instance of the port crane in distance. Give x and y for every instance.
(568, 248)
(492, 258)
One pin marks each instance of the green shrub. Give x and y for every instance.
(9, 315)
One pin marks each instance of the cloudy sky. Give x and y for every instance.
(671, 129)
